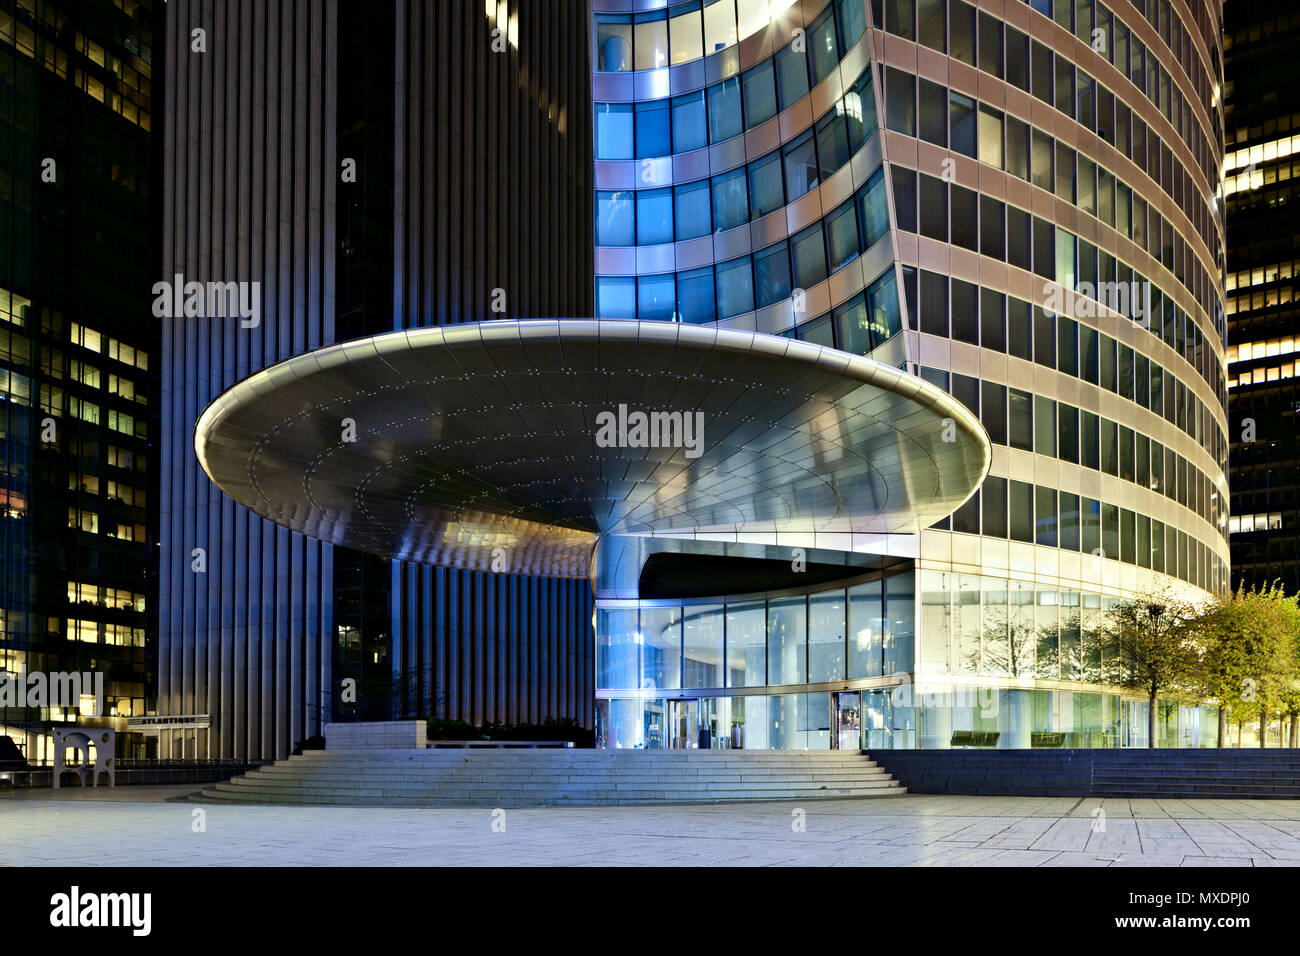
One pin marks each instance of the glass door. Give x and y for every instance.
(684, 724)
(846, 720)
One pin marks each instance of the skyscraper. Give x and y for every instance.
(373, 168)
(78, 351)
(1019, 207)
(1262, 112)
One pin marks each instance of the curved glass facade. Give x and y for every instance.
(1025, 210)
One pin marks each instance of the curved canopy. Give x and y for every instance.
(521, 441)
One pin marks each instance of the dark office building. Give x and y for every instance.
(1262, 104)
(77, 353)
(373, 168)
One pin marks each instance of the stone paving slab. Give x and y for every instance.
(146, 826)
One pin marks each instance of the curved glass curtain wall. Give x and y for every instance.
(720, 673)
(692, 210)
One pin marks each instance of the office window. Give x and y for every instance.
(1067, 351)
(1087, 185)
(801, 170)
(1084, 102)
(822, 45)
(1041, 70)
(934, 113)
(766, 192)
(760, 94)
(653, 137)
(966, 389)
(719, 25)
(1067, 433)
(613, 42)
(852, 18)
(690, 125)
(1108, 376)
(882, 300)
(808, 254)
(934, 208)
(616, 297)
(900, 101)
(932, 22)
(1045, 517)
(993, 411)
(771, 274)
(993, 323)
(1017, 58)
(654, 216)
(961, 123)
(965, 311)
(990, 136)
(1020, 334)
(900, 18)
(832, 140)
(1065, 86)
(651, 38)
(1021, 510)
(853, 325)
(961, 32)
(615, 219)
(724, 110)
(1017, 157)
(873, 209)
(1044, 426)
(990, 44)
(1090, 514)
(695, 296)
(1020, 413)
(1065, 266)
(1126, 455)
(993, 505)
(1044, 338)
(1064, 172)
(791, 74)
(1045, 250)
(656, 297)
(1089, 355)
(735, 284)
(685, 33)
(1018, 238)
(842, 236)
(1069, 521)
(992, 238)
(614, 139)
(691, 207)
(730, 200)
(1040, 160)
(965, 217)
(934, 303)
(1109, 447)
(904, 182)
(1089, 440)
(860, 111)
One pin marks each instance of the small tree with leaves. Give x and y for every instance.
(1249, 643)
(1155, 650)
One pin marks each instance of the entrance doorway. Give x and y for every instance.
(846, 720)
(684, 724)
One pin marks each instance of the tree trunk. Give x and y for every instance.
(1295, 731)
(1239, 723)
(1223, 727)
(1263, 725)
(1151, 722)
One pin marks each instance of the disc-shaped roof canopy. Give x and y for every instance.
(445, 444)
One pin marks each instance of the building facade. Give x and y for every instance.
(373, 168)
(1262, 113)
(1018, 202)
(78, 361)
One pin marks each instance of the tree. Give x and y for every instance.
(1249, 643)
(1153, 635)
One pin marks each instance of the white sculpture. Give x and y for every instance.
(103, 742)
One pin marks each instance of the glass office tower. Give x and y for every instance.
(1262, 103)
(1023, 209)
(78, 360)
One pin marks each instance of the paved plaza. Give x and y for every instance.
(138, 826)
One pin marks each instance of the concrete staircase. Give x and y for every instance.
(561, 777)
(1135, 774)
